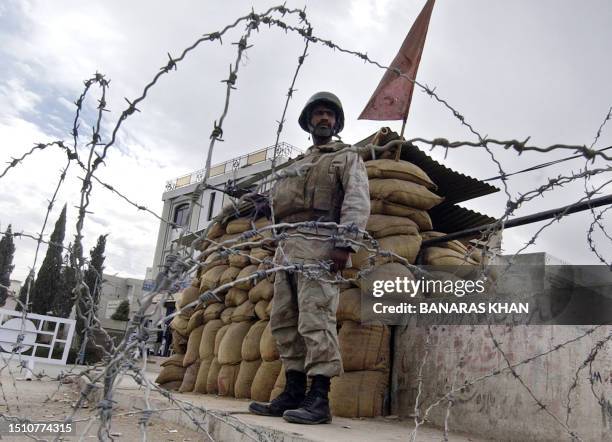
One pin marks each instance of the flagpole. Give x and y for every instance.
(404, 124)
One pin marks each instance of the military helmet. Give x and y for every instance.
(322, 98)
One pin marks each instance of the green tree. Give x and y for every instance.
(62, 305)
(48, 284)
(7, 250)
(123, 311)
(23, 292)
(87, 306)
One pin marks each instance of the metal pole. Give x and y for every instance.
(540, 216)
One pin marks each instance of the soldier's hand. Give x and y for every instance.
(339, 258)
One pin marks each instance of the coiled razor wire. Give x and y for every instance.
(123, 359)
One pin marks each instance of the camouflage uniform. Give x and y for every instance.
(303, 318)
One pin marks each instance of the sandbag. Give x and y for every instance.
(216, 230)
(210, 279)
(246, 374)
(229, 275)
(231, 238)
(267, 345)
(219, 337)
(187, 296)
(226, 315)
(380, 226)
(358, 394)
(179, 343)
(213, 260)
(455, 245)
(364, 346)
(171, 386)
(420, 217)
(279, 385)
(240, 261)
(227, 379)
(230, 350)
(238, 225)
(193, 347)
(180, 323)
(245, 272)
(213, 311)
(442, 256)
(267, 265)
(207, 343)
(196, 319)
(190, 377)
(170, 373)
(264, 380)
(176, 359)
(258, 254)
(250, 344)
(350, 273)
(401, 170)
(404, 193)
(263, 290)
(349, 305)
(262, 222)
(235, 297)
(406, 246)
(244, 312)
(269, 308)
(261, 310)
(202, 377)
(212, 387)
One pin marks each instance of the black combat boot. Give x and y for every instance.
(291, 397)
(315, 408)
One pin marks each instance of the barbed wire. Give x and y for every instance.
(122, 359)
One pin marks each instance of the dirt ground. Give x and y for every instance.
(49, 401)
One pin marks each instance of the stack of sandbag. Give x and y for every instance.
(172, 372)
(366, 358)
(270, 367)
(181, 325)
(449, 253)
(206, 352)
(251, 360)
(401, 194)
(456, 258)
(226, 324)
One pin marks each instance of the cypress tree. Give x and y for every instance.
(93, 278)
(48, 285)
(63, 304)
(7, 251)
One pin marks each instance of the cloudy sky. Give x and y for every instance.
(513, 69)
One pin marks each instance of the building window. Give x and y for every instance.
(180, 215)
(211, 206)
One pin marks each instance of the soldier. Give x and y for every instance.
(303, 319)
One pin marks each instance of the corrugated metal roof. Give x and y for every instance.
(449, 218)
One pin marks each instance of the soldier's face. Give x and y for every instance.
(323, 117)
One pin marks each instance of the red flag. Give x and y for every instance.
(391, 99)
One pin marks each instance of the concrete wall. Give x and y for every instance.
(500, 407)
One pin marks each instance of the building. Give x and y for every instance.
(115, 290)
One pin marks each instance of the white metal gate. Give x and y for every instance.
(43, 338)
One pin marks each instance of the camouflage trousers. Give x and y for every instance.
(303, 318)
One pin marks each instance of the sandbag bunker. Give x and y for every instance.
(227, 348)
